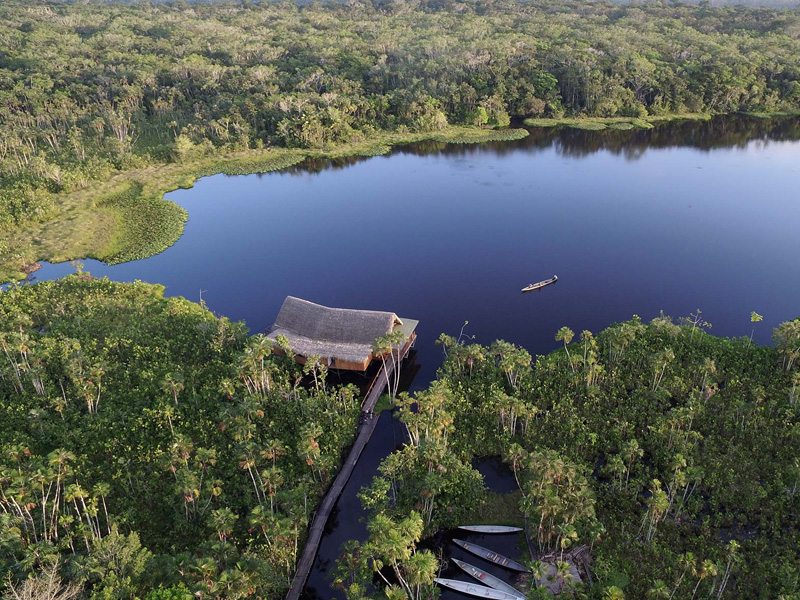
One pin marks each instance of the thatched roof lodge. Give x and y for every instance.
(342, 337)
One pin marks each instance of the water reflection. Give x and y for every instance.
(718, 132)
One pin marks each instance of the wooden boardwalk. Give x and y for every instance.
(365, 429)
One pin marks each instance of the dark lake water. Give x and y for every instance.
(681, 217)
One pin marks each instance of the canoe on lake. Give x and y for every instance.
(490, 528)
(473, 589)
(489, 579)
(541, 284)
(491, 556)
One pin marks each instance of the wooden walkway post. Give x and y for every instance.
(365, 429)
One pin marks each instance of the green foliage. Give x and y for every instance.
(175, 592)
(390, 552)
(557, 495)
(237, 82)
(479, 137)
(124, 411)
(669, 451)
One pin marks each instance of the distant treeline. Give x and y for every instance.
(90, 88)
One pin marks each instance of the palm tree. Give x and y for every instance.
(59, 460)
(787, 338)
(247, 461)
(308, 446)
(421, 568)
(588, 343)
(260, 519)
(660, 362)
(631, 451)
(709, 368)
(274, 450)
(657, 506)
(168, 411)
(733, 557)
(612, 592)
(563, 574)
(707, 569)
(659, 591)
(566, 334)
(514, 455)
(381, 347)
(96, 373)
(223, 520)
(754, 318)
(687, 562)
(387, 345)
(393, 543)
(567, 534)
(475, 353)
(173, 383)
(102, 490)
(272, 478)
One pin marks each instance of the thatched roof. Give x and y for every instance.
(332, 333)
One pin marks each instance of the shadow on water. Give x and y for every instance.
(497, 476)
(347, 519)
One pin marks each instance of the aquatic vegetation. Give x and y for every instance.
(593, 123)
(479, 136)
(146, 225)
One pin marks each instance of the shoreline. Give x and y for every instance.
(127, 218)
(616, 123)
(627, 123)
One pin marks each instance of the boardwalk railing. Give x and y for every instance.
(365, 429)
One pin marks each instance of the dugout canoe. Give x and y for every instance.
(473, 589)
(490, 528)
(491, 556)
(488, 579)
(541, 284)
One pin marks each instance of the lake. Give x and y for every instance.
(680, 217)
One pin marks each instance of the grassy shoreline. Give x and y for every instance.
(619, 123)
(127, 217)
(772, 115)
(627, 123)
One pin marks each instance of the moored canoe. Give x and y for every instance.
(491, 556)
(473, 589)
(489, 579)
(490, 528)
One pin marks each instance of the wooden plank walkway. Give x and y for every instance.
(365, 429)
